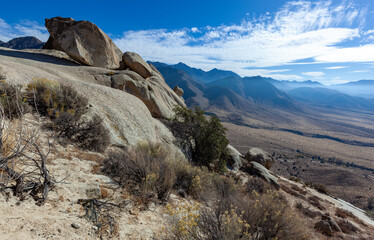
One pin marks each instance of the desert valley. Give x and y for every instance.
(100, 142)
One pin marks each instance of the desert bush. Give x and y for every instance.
(306, 211)
(228, 225)
(52, 99)
(370, 205)
(91, 134)
(12, 100)
(66, 108)
(318, 186)
(271, 218)
(145, 170)
(261, 216)
(188, 180)
(256, 184)
(342, 213)
(205, 138)
(346, 226)
(184, 218)
(315, 201)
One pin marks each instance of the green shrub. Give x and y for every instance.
(205, 138)
(12, 100)
(145, 170)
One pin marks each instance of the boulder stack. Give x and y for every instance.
(83, 41)
(260, 156)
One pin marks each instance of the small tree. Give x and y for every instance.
(204, 137)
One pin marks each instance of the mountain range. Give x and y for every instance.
(23, 43)
(228, 91)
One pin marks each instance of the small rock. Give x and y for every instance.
(95, 228)
(179, 91)
(75, 225)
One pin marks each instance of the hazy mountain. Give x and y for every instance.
(362, 88)
(193, 90)
(288, 85)
(1, 43)
(204, 76)
(23, 43)
(330, 98)
(228, 100)
(256, 88)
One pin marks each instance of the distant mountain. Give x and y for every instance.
(1, 43)
(23, 43)
(362, 88)
(193, 90)
(203, 76)
(257, 89)
(330, 98)
(358, 83)
(285, 85)
(200, 94)
(228, 100)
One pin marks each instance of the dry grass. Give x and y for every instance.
(306, 211)
(347, 227)
(315, 201)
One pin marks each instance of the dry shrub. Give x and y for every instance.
(290, 191)
(298, 189)
(315, 201)
(66, 108)
(265, 216)
(344, 213)
(319, 187)
(306, 211)
(145, 170)
(12, 100)
(272, 218)
(346, 226)
(256, 184)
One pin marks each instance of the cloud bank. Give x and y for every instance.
(299, 30)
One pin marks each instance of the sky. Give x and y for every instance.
(327, 41)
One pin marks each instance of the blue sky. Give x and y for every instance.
(327, 41)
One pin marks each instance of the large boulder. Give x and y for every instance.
(260, 156)
(134, 62)
(83, 41)
(153, 91)
(234, 162)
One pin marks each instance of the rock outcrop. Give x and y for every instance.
(153, 91)
(260, 156)
(255, 168)
(134, 62)
(235, 156)
(83, 41)
(179, 91)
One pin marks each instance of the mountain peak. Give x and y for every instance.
(23, 43)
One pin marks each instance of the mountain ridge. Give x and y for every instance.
(20, 43)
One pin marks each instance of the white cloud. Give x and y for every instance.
(360, 71)
(300, 30)
(335, 67)
(25, 28)
(362, 53)
(194, 29)
(314, 74)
